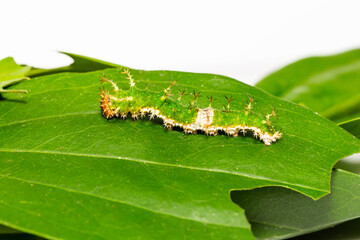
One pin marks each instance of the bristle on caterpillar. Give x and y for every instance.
(175, 113)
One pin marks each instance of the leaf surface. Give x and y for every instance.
(278, 213)
(77, 175)
(328, 85)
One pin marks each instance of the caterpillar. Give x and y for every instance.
(119, 103)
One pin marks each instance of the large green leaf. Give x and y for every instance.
(328, 85)
(77, 175)
(11, 73)
(278, 213)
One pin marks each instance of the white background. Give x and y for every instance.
(245, 40)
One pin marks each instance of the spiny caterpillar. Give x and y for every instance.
(188, 117)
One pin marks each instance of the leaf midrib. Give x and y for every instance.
(276, 182)
(49, 117)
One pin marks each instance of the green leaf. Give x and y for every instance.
(11, 73)
(278, 213)
(346, 231)
(77, 175)
(328, 85)
(352, 126)
(80, 64)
